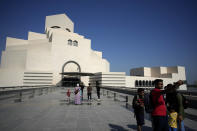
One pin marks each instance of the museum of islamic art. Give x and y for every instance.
(62, 57)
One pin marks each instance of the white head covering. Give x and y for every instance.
(77, 85)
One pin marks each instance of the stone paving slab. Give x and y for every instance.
(53, 112)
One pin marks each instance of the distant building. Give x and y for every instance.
(142, 77)
(60, 56)
(195, 82)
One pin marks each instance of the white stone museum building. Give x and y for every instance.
(60, 56)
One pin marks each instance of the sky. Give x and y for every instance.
(130, 33)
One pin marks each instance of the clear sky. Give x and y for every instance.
(130, 33)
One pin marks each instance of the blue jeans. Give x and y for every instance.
(182, 126)
(172, 129)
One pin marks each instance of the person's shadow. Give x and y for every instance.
(144, 128)
(191, 116)
(117, 128)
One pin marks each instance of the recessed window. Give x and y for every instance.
(146, 83)
(68, 30)
(153, 83)
(69, 42)
(140, 83)
(55, 27)
(75, 43)
(136, 83)
(143, 83)
(150, 83)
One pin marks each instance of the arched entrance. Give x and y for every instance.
(70, 81)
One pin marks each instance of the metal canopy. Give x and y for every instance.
(77, 74)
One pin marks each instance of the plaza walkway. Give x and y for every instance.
(52, 112)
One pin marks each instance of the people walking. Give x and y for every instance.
(98, 89)
(138, 106)
(82, 87)
(77, 95)
(89, 92)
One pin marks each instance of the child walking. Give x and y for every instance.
(68, 95)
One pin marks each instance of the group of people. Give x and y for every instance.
(79, 92)
(167, 112)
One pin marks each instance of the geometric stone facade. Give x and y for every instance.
(42, 58)
(142, 77)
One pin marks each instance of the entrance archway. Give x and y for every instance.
(70, 80)
(69, 63)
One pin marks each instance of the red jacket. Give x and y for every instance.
(158, 103)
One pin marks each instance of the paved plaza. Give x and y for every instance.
(53, 112)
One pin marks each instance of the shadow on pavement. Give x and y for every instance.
(189, 129)
(144, 128)
(192, 103)
(117, 128)
(66, 102)
(129, 107)
(84, 102)
(192, 117)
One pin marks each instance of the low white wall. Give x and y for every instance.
(11, 78)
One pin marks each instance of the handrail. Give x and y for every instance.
(191, 96)
(133, 90)
(5, 94)
(23, 86)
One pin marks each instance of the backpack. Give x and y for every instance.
(136, 98)
(134, 106)
(148, 104)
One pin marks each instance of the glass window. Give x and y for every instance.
(75, 43)
(69, 42)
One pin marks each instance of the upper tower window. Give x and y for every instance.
(55, 27)
(69, 42)
(68, 29)
(75, 43)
